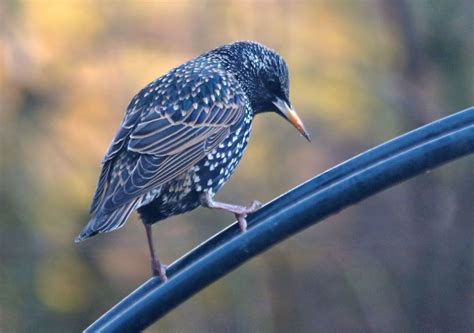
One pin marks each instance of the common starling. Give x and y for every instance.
(183, 135)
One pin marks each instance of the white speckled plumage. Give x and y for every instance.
(184, 134)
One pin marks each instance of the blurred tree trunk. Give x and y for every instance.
(436, 278)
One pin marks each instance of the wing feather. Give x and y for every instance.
(170, 140)
(131, 117)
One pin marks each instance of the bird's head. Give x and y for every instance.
(263, 74)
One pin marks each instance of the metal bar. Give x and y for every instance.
(309, 203)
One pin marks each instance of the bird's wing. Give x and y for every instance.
(171, 137)
(137, 106)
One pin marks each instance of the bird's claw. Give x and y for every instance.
(242, 222)
(253, 207)
(159, 270)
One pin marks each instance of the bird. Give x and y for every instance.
(183, 135)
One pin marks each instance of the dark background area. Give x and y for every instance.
(362, 72)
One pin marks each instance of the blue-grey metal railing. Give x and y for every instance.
(346, 184)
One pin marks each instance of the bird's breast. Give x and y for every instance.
(210, 174)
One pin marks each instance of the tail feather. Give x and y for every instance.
(107, 221)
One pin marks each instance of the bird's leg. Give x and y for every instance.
(156, 267)
(240, 212)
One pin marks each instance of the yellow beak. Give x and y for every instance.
(291, 116)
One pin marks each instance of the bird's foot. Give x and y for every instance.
(240, 216)
(242, 222)
(240, 212)
(159, 270)
(254, 206)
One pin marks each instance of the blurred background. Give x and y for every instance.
(362, 72)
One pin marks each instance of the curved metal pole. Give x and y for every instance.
(346, 184)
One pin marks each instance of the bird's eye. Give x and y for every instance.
(272, 84)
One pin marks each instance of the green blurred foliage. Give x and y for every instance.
(362, 72)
